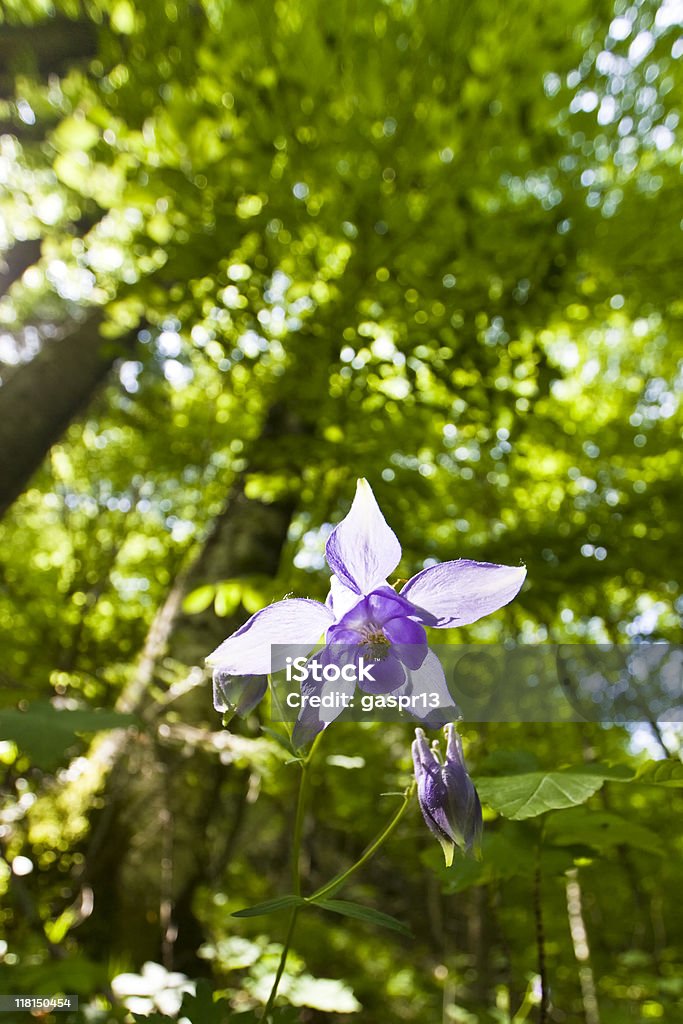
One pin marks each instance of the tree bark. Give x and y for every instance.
(41, 398)
(16, 260)
(49, 46)
(25, 252)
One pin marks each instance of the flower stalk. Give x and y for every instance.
(335, 882)
(369, 851)
(296, 871)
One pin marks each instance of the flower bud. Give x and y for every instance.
(448, 800)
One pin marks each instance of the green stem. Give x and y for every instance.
(540, 940)
(299, 818)
(369, 851)
(275, 702)
(281, 966)
(296, 874)
(335, 882)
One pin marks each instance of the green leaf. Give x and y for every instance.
(199, 600)
(200, 1008)
(533, 793)
(506, 852)
(123, 17)
(361, 913)
(228, 597)
(281, 739)
(581, 826)
(75, 133)
(270, 906)
(661, 773)
(45, 734)
(252, 598)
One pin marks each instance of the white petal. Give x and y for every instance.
(363, 550)
(340, 599)
(296, 622)
(426, 683)
(461, 592)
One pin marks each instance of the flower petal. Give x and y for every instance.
(426, 683)
(363, 550)
(373, 611)
(404, 631)
(296, 621)
(411, 656)
(388, 675)
(237, 695)
(408, 641)
(340, 599)
(384, 603)
(312, 720)
(461, 592)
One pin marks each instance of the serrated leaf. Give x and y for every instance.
(361, 913)
(270, 906)
(533, 793)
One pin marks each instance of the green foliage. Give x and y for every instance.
(599, 830)
(47, 735)
(661, 773)
(359, 913)
(528, 795)
(270, 906)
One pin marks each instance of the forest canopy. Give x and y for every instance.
(251, 253)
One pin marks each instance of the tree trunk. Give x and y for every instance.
(49, 46)
(25, 252)
(16, 260)
(41, 398)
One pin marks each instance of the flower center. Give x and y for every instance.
(376, 644)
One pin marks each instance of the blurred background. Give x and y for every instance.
(250, 252)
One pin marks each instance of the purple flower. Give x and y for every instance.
(386, 629)
(448, 800)
(365, 615)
